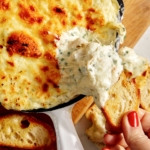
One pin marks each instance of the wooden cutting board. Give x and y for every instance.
(136, 20)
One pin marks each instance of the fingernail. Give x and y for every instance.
(105, 148)
(133, 119)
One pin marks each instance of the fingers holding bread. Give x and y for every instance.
(130, 92)
(123, 97)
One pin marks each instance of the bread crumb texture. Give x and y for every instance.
(123, 96)
(24, 131)
(145, 93)
(97, 130)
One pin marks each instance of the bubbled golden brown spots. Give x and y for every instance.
(45, 87)
(22, 44)
(28, 30)
(4, 5)
(10, 63)
(93, 21)
(30, 14)
(59, 11)
(45, 68)
(53, 83)
(51, 57)
(48, 37)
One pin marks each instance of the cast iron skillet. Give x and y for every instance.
(79, 97)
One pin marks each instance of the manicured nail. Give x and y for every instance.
(105, 148)
(133, 119)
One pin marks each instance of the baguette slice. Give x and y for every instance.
(124, 96)
(25, 132)
(97, 131)
(145, 92)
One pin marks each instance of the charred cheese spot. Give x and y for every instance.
(5, 99)
(79, 16)
(11, 63)
(3, 77)
(45, 68)
(45, 87)
(22, 44)
(59, 11)
(144, 73)
(38, 79)
(3, 20)
(60, 14)
(53, 77)
(51, 57)
(74, 23)
(48, 37)
(32, 8)
(93, 20)
(77, 19)
(4, 5)
(1, 46)
(30, 14)
(55, 85)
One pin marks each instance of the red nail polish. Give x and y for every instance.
(105, 148)
(133, 119)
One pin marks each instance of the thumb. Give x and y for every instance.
(133, 132)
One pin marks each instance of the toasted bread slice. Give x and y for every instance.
(26, 132)
(124, 96)
(139, 80)
(80, 108)
(145, 93)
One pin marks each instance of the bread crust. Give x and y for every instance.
(22, 128)
(145, 92)
(124, 97)
(96, 132)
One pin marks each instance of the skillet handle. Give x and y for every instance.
(67, 137)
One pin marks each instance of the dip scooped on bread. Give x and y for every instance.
(88, 67)
(113, 78)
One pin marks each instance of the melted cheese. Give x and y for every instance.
(29, 73)
(90, 68)
(87, 67)
(132, 62)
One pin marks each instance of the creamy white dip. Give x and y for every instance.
(86, 66)
(132, 62)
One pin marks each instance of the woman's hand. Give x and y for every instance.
(136, 133)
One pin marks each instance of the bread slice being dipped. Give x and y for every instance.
(124, 96)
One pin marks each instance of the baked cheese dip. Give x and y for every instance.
(132, 62)
(32, 72)
(87, 67)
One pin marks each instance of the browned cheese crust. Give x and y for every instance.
(30, 73)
